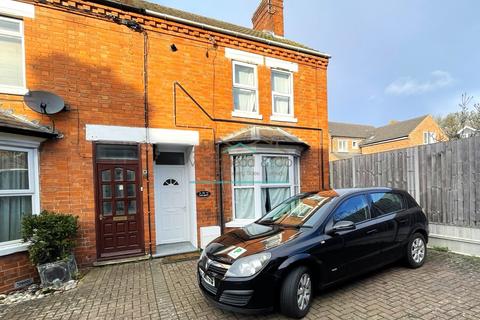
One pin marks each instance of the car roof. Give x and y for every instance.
(343, 192)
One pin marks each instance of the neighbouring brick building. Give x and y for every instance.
(172, 123)
(348, 140)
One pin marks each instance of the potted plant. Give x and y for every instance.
(51, 237)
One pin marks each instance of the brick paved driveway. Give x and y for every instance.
(447, 287)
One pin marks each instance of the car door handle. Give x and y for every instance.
(371, 231)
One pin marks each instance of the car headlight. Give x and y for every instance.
(248, 266)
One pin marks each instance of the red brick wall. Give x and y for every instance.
(13, 268)
(96, 66)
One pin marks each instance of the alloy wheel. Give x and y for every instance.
(304, 291)
(418, 250)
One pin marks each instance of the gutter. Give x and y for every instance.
(383, 141)
(236, 34)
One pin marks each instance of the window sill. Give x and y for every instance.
(249, 115)
(13, 90)
(12, 247)
(283, 118)
(239, 223)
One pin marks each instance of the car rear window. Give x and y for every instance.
(386, 202)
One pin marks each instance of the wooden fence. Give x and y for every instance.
(444, 177)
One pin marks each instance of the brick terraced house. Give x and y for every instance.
(175, 126)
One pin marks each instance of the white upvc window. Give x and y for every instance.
(260, 182)
(19, 194)
(245, 90)
(354, 144)
(282, 94)
(342, 146)
(12, 57)
(429, 137)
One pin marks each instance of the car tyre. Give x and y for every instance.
(296, 293)
(416, 251)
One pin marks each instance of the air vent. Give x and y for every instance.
(23, 283)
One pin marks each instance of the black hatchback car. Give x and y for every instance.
(308, 242)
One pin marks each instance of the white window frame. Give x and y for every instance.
(342, 146)
(354, 144)
(429, 137)
(276, 116)
(241, 113)
(16, 90)
(9, 247)
(258, 183)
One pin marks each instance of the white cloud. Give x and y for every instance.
(411, 86)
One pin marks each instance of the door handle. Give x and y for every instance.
(371, 231)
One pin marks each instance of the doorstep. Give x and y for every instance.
(120, 261)
(170, 249)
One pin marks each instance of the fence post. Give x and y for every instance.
(354, 179)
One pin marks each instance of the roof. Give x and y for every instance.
(397, 130)
(11, 123)
(350, 130)
(260, 134)
(239, 30)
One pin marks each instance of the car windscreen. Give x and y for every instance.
(295, 211)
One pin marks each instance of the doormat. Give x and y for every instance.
(181, 257)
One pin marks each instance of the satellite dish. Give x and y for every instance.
(44, 102)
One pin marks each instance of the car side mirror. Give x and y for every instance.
(341, 226)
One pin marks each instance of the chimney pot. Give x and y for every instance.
(269, 17)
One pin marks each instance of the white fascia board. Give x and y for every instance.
(243, 56)
(281, 64)
(17, 9)
(139, 135)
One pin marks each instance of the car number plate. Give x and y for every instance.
(208, 279)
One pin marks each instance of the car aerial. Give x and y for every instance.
(308, 242)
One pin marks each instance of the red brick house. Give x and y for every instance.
(176, 126)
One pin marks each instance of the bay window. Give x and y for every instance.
(261, 182)
(245, 89)
(18, 192)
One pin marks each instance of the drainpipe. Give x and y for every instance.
(220, 187)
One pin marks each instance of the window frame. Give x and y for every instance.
(354, 144)
(259, 183)
(339, 143)
(16, 90)
(290, 96)
(13, 246)
(365, 197)
(370, 200)
(235, 85)
(429, 137)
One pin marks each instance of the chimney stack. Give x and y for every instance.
(269, 17)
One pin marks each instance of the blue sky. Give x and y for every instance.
(391, 60)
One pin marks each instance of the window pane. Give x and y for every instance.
(13, 170)
(131, 190)
(106, 175)
(107, 191)
(244, 204)
(245, 75)
(9, 26)
(117, 151)
(107, 208)
(243, 167)
(354, 209)
(281, 82)
(120, 208)
(12, 210)
(170, 158)
(119, 192)
(132, 207)
(276, 169)
(11, 61)
(384, 203)
(130, 175)
(281, 104)
(118, 174)
(271, 197)
(245, 100)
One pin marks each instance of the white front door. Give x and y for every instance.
(171, 214)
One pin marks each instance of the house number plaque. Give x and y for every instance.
(203, 194)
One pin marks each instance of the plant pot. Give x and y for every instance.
(58, 272)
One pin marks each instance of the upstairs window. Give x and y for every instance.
(342, 146)
(354, 144)
(12, 61)
(429, 137)
(282, 93)
(245, 88)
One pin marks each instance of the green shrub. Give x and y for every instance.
(51, 236)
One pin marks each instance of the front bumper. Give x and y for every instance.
(246, 295)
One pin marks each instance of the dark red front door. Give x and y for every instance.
(119, 220)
